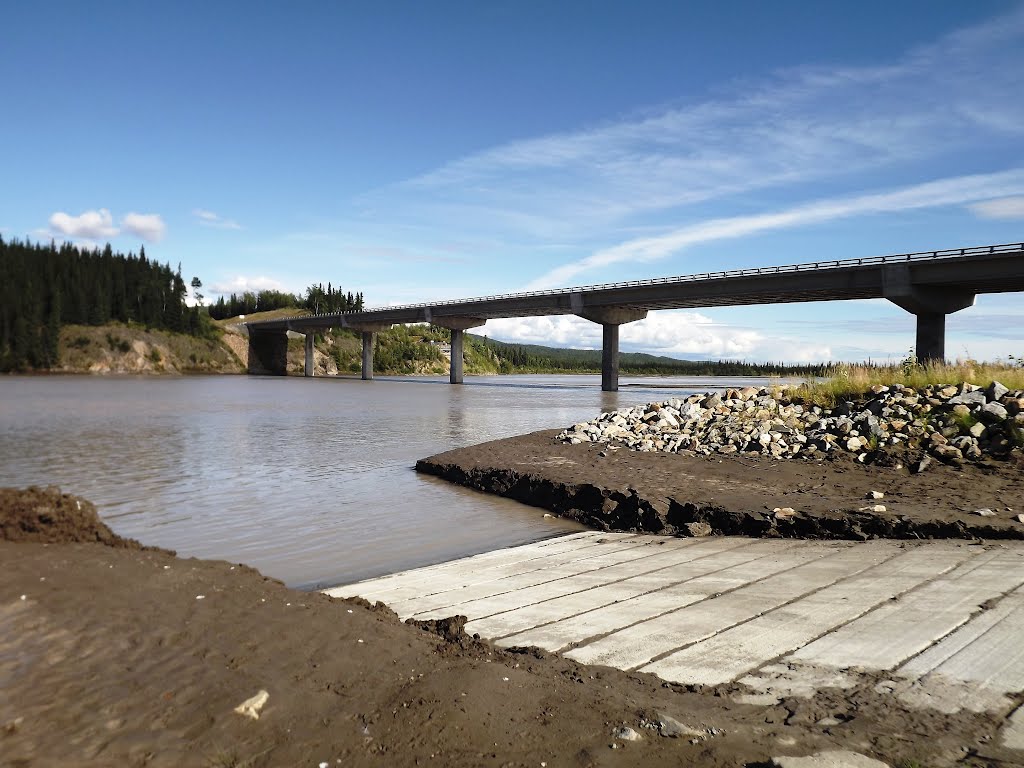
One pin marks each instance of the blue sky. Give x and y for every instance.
(421, 151)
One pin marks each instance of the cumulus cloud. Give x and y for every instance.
(241, 284)
(673, 333)
(1008, 208)
(148, 226)
(91, 225)
(211, 219)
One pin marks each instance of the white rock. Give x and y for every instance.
(986, 512)
(875, 495)
(625, 733)
(832, 759)
(251, 707)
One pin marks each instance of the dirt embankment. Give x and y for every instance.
(118, 348)
(750, 495)
(114, 655)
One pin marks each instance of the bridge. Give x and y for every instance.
(930, 285)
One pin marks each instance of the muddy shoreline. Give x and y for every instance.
(676, 494)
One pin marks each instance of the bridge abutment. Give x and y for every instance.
(268, 352)
(610, 319)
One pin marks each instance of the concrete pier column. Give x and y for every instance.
(458, 327)
(610, 319)
(369, 338)
(309, 369)
(931, 337)
(610, 358)
(455, 376)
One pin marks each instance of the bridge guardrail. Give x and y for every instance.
(951, 253)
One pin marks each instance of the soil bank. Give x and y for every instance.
(668, 493)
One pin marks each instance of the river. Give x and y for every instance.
(309, 480)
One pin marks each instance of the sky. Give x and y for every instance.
(426, 151)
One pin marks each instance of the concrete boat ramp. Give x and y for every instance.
(937, 624)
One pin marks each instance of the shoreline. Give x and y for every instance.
(155, 670)
(677, 494)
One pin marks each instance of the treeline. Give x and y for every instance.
(536, 358)
(317, 300)
(44, 287)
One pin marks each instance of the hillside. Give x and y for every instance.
(402, 350)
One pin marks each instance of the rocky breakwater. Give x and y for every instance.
(887, 425)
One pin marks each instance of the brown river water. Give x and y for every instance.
(309, 480)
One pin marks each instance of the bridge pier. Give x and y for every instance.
(458, 326)
(268, 352)
(369, 333)
(309, 369)
(930, 304)
(610, 319)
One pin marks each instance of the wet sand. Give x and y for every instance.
(114, 654)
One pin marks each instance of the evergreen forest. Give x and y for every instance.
(43, 287)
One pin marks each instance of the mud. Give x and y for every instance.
(673, 494)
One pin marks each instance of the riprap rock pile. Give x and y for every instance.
(952, 423)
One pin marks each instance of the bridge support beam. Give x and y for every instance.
(611, 318)
(268, 352)
(309, 369)
(458, 326)
(930, 304)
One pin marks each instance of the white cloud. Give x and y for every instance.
(1009, 208)
(943, 192)
(148, 226)
(672, 333)
(92, 225)
(241, 284)
(211, 219)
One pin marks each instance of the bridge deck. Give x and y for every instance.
(941, 619)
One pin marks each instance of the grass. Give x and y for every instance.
(851, 381)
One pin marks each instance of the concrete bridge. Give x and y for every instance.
(930, 285)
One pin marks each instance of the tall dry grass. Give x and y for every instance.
(851, 381)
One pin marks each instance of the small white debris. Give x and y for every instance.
(875, 508)
(875, 495)
(548, 514)
(349, 611)
(24, 597)
(324, 765)
(505, 679)
(986, 512)
(200, 597)
(783, 512)
(167, 567)
(359, 640)
(625, 733)
(42, 578)
(251, 707)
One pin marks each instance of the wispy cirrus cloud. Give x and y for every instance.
(1005, 208)
(839, 126)
(211, 219)
(943, 192)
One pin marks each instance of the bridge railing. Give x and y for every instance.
(951, 253)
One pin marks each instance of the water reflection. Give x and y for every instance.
(309, 480)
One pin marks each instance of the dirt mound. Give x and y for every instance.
(47, 516)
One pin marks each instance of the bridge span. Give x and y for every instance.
(929, 285)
